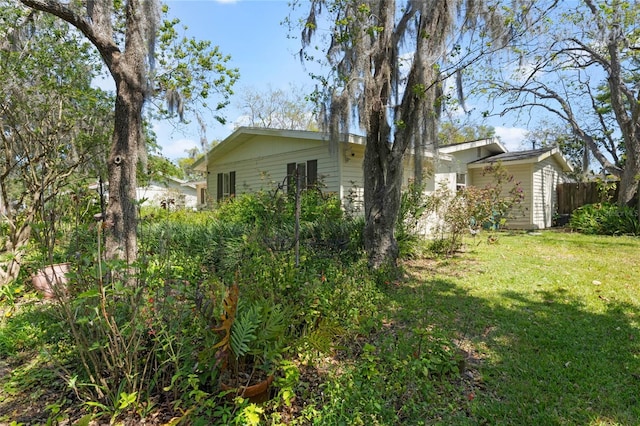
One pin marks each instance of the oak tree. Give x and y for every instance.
(387, 62)
(125, 34)
(583, 70)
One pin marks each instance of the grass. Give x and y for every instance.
(539, 328)
(552, 321)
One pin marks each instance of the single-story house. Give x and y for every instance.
(169, 191)
(177, 192)
(251, 159)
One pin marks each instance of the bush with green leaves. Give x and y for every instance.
(474, 208)
(605, 219)
(158, 336)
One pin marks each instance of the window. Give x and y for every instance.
(461, 181)
(308, 173)
(226, 185)
(203, 195)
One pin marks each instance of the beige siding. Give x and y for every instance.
(545, 203)
(521, 216)
(203, 195)
(262, 164)
(351, 179)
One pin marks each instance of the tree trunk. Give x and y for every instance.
(18, 239)
(129, 71)
(383, 184)
(630, 176)
(121, 238)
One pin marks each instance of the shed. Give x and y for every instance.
(539, 172)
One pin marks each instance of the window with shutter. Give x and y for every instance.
(219, 188)
(306, 172)
(226, 185)
(291, 177)
(232, 184)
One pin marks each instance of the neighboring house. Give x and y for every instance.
(176, 192)
(170, 191)
(251, 159)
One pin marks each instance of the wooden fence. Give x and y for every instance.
(574, 195)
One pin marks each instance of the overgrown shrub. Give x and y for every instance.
(472, 209)
(605, 219)
(152, 341)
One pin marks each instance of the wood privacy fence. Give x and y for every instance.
(574, 195)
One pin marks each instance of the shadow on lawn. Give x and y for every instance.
(29, 381)
(543, 358)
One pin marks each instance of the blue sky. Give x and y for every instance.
(251, 32)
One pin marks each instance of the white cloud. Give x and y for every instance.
(512, 137)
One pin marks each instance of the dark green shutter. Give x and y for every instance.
(219, 194)
(291, 173)
(232, 184)
(312, 173)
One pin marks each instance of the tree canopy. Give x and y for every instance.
(55, 125)
(581, 68)
(277, 109)
(450, 133)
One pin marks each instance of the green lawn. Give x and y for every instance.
(550, 322)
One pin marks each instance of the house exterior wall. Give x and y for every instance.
(546, 177)
(352, 179)
(261, 163)
(521, 217)
(351, 190)
(203, 195)
(256, 159)
(462, 158)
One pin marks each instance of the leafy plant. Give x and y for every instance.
(413, 208)
(253, 335)
(472, 209)
(605, 219)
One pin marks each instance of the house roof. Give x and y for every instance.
(525, 157)
(493, 145)
(243, 134)
(158, 182)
